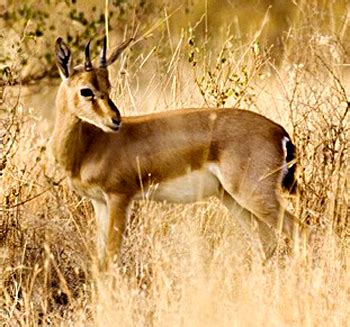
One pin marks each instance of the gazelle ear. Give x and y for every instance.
(115, 53)
(63, 59)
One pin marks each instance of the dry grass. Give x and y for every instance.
(184, 265)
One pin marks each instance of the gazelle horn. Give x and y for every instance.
(103, 59)
(87, 64)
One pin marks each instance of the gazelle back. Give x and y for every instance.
(239, 156)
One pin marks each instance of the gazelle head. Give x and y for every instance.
(87, 86)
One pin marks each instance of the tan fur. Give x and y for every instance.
(178, 156)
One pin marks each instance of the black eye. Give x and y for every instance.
(86, 92)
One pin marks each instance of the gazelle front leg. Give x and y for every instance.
(111, 218)
(101, 215)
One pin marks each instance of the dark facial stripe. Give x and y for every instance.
(112, 106)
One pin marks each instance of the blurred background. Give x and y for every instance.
(288, 28)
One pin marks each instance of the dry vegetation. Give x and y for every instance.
(187, 265)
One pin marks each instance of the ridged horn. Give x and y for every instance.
(87, 63)
(103, 59)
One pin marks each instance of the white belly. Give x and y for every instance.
(193, 186)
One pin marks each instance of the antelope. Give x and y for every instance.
(239, 156)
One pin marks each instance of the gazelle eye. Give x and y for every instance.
(86, 92)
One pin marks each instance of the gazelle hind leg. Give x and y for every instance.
(259, 196)
(267, 245)
(302, 233)
(270, 210)
(267, 237)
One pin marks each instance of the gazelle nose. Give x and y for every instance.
(115, 121)
(115, 124)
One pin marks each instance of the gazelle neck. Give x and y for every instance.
(68, 141)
